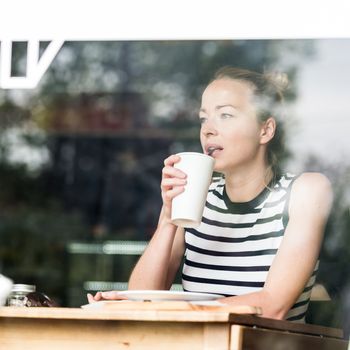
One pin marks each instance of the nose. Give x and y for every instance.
(209, 127)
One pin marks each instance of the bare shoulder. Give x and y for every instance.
(314, 189)
(312, 182)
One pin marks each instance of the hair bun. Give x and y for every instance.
(279, 79)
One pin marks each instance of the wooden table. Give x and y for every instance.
(92, 329)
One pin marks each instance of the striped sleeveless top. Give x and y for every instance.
(232, 250)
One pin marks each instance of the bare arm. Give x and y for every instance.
(310, 204)
(157, 267)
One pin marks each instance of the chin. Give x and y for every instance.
(218, 169)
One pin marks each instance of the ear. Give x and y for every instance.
(268, 129)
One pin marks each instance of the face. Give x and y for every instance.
(229, 125)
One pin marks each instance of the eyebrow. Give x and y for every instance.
(218, 107)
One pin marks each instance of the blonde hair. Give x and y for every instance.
(268, 89)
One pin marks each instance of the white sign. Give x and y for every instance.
(36, 67)
(120, 20)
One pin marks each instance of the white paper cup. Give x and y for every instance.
(187, 207)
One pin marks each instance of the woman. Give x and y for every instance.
(261, 232)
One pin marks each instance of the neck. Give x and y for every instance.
(245, 186)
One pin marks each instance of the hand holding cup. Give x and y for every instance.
(172, 184)
(188, 205)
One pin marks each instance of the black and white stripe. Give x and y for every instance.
(232, 250)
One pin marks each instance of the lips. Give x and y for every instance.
(211, 149)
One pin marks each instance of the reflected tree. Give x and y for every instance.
(93, 136)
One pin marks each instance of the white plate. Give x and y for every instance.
(156, 295)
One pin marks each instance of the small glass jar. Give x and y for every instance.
(18, 295)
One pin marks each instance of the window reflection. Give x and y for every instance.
(81, 155)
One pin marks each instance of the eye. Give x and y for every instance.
(226, 115)
(202, 120)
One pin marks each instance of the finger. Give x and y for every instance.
(112, 295)
(170, 194)
(169, 171)
(90, 298)
(171, 160)
(98, 296)
(168, 183)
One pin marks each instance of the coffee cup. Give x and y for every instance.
(188, 206)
